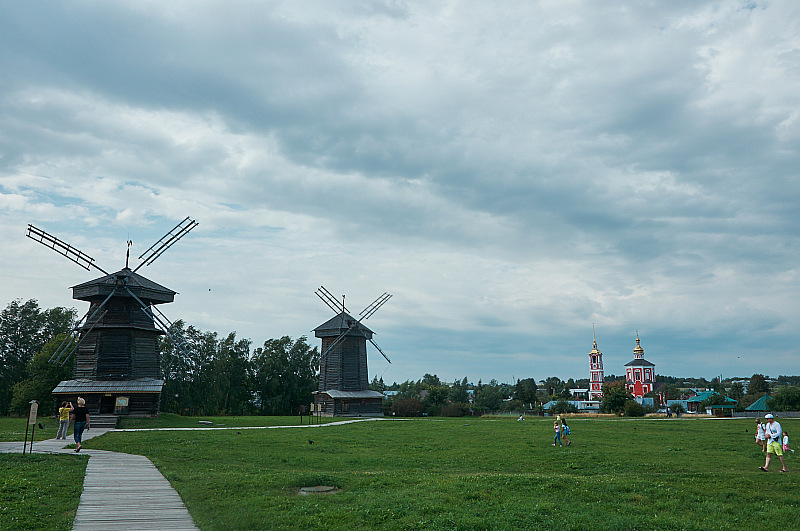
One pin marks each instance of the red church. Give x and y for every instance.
(640, 373)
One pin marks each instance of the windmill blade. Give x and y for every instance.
(167, 241)
(367, 312)
(380, 350)
(337, 340)
(328, 298)
(75, 332)
(63, 248)
(61, 362)
(163, 323)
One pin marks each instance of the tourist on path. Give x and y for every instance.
(63, 419)
(761, 439)
(774, 436)
(557, 438)
(81, 421)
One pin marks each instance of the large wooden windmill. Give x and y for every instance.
(343, 380)
(117, 367)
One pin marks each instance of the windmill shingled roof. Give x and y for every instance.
(143, 287)
(339, 323)
(142, 385)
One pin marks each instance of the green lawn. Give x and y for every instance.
(40, 491)
(13, 429)
(476, 474)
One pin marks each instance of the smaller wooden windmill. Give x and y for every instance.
(343, 379)
(117, 366)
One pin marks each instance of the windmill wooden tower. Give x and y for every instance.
(117, 366)
(343, 380)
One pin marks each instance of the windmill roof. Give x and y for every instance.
(759, 405)
(333, 393)
(142, 385)
(337, 324)
(144, 288)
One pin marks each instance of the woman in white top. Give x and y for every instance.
(761, 439)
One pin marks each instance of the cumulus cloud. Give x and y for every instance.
(512, 173)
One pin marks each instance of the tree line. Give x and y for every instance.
(226, 375)
(218, 375)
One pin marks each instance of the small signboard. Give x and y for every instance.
(33, 413)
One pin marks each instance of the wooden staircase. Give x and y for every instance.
(103, 421)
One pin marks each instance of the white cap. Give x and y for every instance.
(768, 416)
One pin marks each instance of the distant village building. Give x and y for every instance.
(595, 371)
(640, 373)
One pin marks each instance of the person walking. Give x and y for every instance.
(557, 428)
(81, 421)
(774, 436)
(761, 440)
(565, 431)
(63, 420)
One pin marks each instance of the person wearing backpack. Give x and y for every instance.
(565, 431)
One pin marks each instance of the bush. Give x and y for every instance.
(454, 409)
(408, 407)
(634, 409)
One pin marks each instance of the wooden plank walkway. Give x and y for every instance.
(120, 491)
(123, 491)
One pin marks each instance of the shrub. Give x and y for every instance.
(454, 409)
(634, 409)
(408, 407)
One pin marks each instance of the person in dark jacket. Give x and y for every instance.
(80, 422)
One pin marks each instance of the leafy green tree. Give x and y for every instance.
(43, 377)
(615, 396)
(554, 387)
(489, 396)
(24, 330)
(232, 374)
(377, 384)
(285, 375)
(736, 391)
(431, 380)
(758, 385)
(785, 399)
(525, 391)
(459, 392)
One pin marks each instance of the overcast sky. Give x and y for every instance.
(512, 172)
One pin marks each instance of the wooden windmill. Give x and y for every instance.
(343, 379)
(117, 366)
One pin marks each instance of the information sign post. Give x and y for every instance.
(31, 422)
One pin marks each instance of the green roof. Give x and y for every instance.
(759, 405)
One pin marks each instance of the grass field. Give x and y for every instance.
(434, 474)
(13, 429)
(476, 474)
(40, 491)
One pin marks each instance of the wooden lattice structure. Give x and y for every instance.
(117, 366)
(343, 379)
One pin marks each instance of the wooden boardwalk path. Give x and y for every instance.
(120, 491)
(124, 491)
